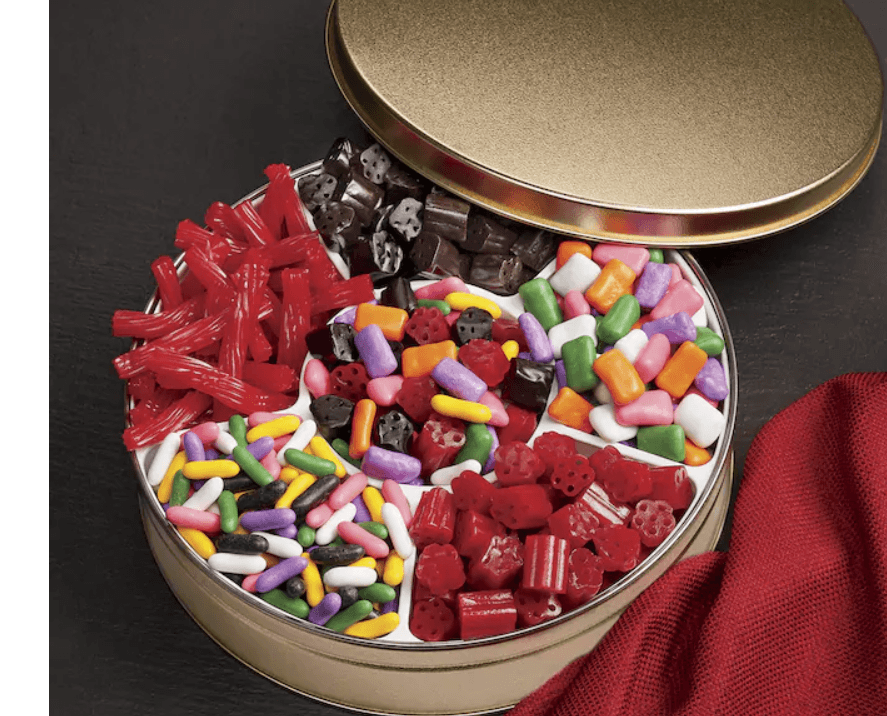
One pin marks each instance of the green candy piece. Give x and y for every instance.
(375, 528)
(341, 448)
(180, 487)
(656, 256)
(317, 466)
(238, 429)
(294, 605)
(539, 299)
(378, 593)
(228, 515)
(305, 536)
(356, 612)
(664, 440)
(578, 356)
(709, 341)
(619, 319)
(431, 303)
(251, 466)
(337, 542)
(478, 443)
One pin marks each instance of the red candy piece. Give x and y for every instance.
(584, 577)
(521, 424)
(521, 507)
(517, 464)
(440, 569)
(574, 522)
(432, 620)
(672, 485)
(439, 442)
(551, 445)
(349, 381)
(420, 592)
(535, 607)
(415, 397)
(474, 532)
(601, 460)
(427, 325)
(435, 518)
(472, 492)
(486, 613)
(571, 475)
(618, 547)
(626, 480)
(608, 512)
(499, 565)
(486, 360)
(654, 520)
(545, 564)
(508, 329)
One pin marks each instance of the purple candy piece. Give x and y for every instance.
(327, 608)
(290, 531)
(653, 284)
(259, 448)
(389, 606)
(525, 355)
(374, 349)
(197, 484)
(211, 454)
(265, 520)
(381, 463)
(491, 460)
(711, 380)
(416, 481)
(560, 372)
(279, 573)
(458, 380)
(193, 447)
(677, 328)
(347, 316)
(537, 339)
(363, 512)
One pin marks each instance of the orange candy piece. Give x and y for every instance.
(571, 409)
(568, 248)
(362, 428)
(620, 376)
(421, 360)
(614, 281)
(390, 319)
(677, 375)
(695, 455)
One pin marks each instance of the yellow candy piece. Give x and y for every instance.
(374, 628)
(373, 500)
(462, 409)
(322, 448)
(314, 591)
(274, 428)
(511, 349)
(459, 301)
(364, 562)
(296, 488)
(393, 572)
(164, 489)
(288, 473)
(205, 469)
(202, 544)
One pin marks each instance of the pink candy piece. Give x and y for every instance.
(676, 275)
(500, 416)
(653, 357)
(195, 519)
(653, 408)
(280, 442)
(393, 493)
(319, 515)
(249, 582)
(271, 464)
(441, 289)
(681, 296)
(635, 257)
(207, 432)
(452, 317)
(355, 534)
(383, 391)
(316, 378)
(262, 416)
(575, 305)
(347, 491)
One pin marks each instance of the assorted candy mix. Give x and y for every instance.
(398, 473)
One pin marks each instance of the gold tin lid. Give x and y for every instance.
(639, 121)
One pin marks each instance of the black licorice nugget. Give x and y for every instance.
(535, 248)
(363, 196)
(399, 294)
(238, 483)
(342, 342)
(294, 587)
(378, 255)
(435, 256)
(401, 183)
(338, 224)
(498, 273)
(332, 414)
(528, 383)
(446, 216)
(375, 162)
(315, 190)
(340, 157)
(488, 236)
(474, 323)
(264, 496)
(405, 219)
(395, 431)
(349, 597)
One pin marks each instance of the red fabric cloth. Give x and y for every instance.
(793, 618)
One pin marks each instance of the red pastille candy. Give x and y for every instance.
(654, 520)
(508, 329)
(472, 492)
(349, 381)
(608, 511)
(601, 460)
(415, 397)
(427, 325)
(545, 564)
(618, 547)
(521, 507)
(521, 424)
(420, 592)
(574, 522)
(434, 520)
(440, 568)
(474, 532)
(517, 464)
(432, 620)
(551, 445)
(439, 442)
(535, 607)
(500, 564)
(584, 577)
(486, 360)
(571, 475)
(671, 484)
(486, 613)
(626, 480)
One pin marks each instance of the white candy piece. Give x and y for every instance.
(206, 495)
(699, 318)
(163, 456)
(237, 563)
(329, 530)
(577, 274)
(603, 420)
(631, 344)
(397, 531)
(338, 577)
(282, 547)
(225, 443)
(299, 441)
(584, 325)
(602, 393)
(702, 422)
(375, 162)
(445, 475)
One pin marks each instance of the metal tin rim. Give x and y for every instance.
(540, 205)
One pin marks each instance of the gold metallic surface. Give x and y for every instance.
(664, 122)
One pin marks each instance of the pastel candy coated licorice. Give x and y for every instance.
(299, 440)
(667, 441)
(375, 351)
(328, 531)
(478, 444)
(462, 300)
(566, 249)
(575, 305)
(615, 280)
(381, 463)
(498, 414)
(653, 284)
(251, 466)
(390, 319)
(652, 408)
(397, 530)
(203, 498)
(164, 489)
(314, 495)
(348, 490)
(354, 534)
(579, 356)
(265, 520)
(393, 493)
(296, 487)
(274, 428)
(362, 428)
(536, 337)
(577, 274)
(280, 546)
(383, 391)
(328, 607)
(619, 319)
(207, 432)
(237, 563)
(540, 300)
(163, 456)
(652, 357)
(441, 289)
(681, 369)
(620, 376)
(681, 296)
(455, 378)
(632, 344)
(603, 422)
(711, 380)
(571, 409)
(225, 443)
(702, 423)
(193, 447)
(511, 349)
(582, 325)
(195, 519)
(461, 409)
(274, 576)
(635, 257)
(201, 544)
(338, 577)
(678, 328)
(560, 373)
(418, 361)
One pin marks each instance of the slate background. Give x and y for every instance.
(160, 109)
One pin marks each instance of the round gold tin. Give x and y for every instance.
(638, 121)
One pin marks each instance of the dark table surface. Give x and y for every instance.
(160, 109)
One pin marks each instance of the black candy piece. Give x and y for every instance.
(474, 323)
(535, 248)
(314, 495)
(395, 431)
(238, 483)
(342, 342)
(317, 189)
(401, 183)
(405, 219)
(338, 224)
(340, 157)
(349, 596)
(236, 578)
(446, 216)
(499, 273)
(399, 294)
(397, 348)
(435, 256)
(337, 554)
(333, 416)
(363, 196)
(488, 236)
(375, 163)
(242, 544)
(294, 587)
(378, 255)
(264, 496)
(528, 383)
